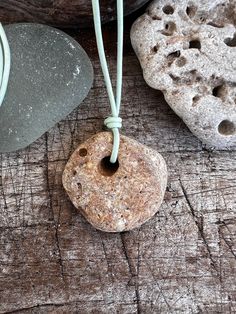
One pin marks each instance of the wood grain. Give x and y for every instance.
(181, 261)
(61, 13)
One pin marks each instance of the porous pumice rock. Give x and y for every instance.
(187, 49)
(115, 197)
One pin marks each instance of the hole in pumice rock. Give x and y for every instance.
(174, 54)
(195, 100)
(172, 57)
(195, 44)
(170, 28)
(155, 48)
(156, 18)
(226, 127)
(215, 25)
(231, 42)
(175, 78)
(202, 19)
(106, 168)
(217, 91)
(168, 9)
(193, 72)
(191, 10)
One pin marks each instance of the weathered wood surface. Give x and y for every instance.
(181, 261)
(61, 13)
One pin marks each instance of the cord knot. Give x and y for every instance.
(113, 123)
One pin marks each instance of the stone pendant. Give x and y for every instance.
(50, 76)
(115, 197)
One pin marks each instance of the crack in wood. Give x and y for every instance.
(228, 244)
(134, 276)
(56, 224)
(199, 225)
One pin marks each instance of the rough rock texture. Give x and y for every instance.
(187, 49)
(115, 197)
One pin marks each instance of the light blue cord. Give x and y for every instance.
(114, 122)
(5, 64)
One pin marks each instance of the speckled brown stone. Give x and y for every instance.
(119, 198)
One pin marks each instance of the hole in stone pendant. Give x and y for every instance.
(226, 127)
(107, 168)
(195, 44)
(168, 9)
(83, 152)
(79, 191)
